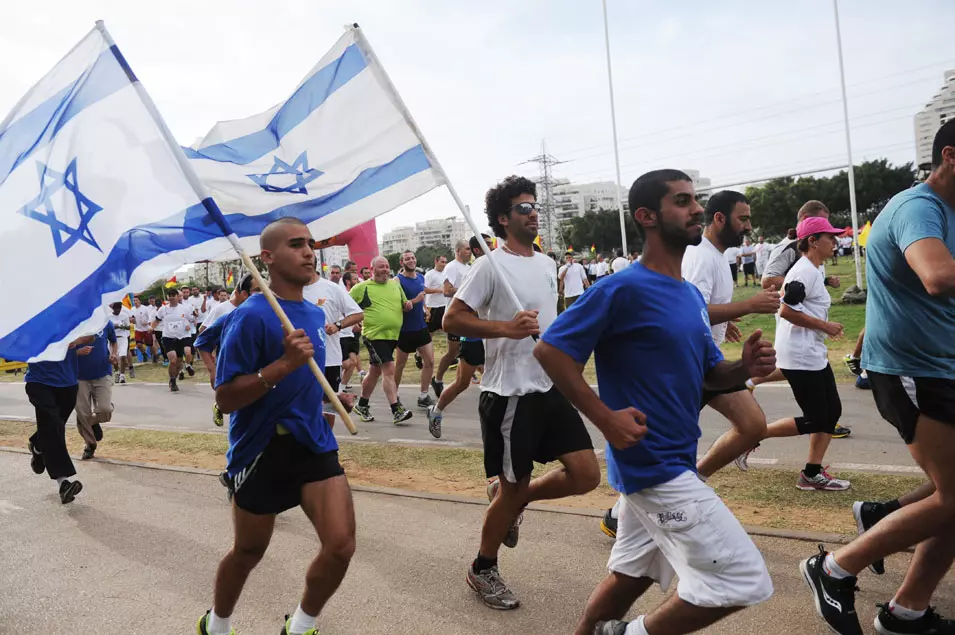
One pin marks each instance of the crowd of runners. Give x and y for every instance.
(652, 327)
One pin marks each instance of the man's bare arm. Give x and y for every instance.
(932, 262)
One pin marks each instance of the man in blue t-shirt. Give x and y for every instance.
(94, 399)
(650, 333)
(415, 337)
(909, 335)
(51, 388)
(282, 453)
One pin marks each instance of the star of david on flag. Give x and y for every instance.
(297, 175)
(43, 207)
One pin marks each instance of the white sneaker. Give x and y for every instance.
(742, 461)
(822, 482)
(122, 378)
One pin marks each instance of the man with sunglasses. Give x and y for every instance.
(524, 419)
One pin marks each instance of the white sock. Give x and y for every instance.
(833, 570)
(636, 627)
(903, 613)
(438, 411)
(750, 384)
(216, 625)
(300, 622)
(615, 510)
(60, 479)
(423, 395)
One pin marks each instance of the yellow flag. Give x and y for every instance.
(864, 234)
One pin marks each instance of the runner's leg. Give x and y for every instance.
(328, 505)
(427, 366)
(579, 473)
(446, 361)
(461, 382)
(253, 532)
(748, 429)
(401, 358)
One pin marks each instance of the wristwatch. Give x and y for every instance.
(338, 325)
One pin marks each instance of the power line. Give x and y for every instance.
(545, 162)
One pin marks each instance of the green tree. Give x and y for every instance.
(601, 229)
(427, 254)
(394, 261)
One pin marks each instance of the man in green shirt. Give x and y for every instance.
(384, 303)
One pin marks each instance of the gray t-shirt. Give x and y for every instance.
(781, 259)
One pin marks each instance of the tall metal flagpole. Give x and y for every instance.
(613, 124)
(200, 189)
(852, 178)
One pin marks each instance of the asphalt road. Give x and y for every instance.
(873, 446)
(136, 554)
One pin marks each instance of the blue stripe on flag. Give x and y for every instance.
(309, 97)
(196, 225)
(35, 129)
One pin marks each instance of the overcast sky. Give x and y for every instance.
(738, 89)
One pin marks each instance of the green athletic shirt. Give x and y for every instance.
(383, 305)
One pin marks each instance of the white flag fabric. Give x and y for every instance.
(337, 153)
(95, 203)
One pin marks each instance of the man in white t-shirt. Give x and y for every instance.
(177, 320)
(619, 263)
(573, 280)
(454, 274)
(142, 318)
(341, 314)
(435, 303)
(732, 260)
(524, 418)
(601, 269)
(762, 255)
(121, 317)
(348, 339)
(747, 258)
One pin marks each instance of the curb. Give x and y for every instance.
(768, 532)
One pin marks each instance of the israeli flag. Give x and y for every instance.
(340, 151)
(95, 201)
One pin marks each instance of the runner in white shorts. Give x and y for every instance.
(672, 523)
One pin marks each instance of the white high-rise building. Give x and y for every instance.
(398, 239)
(336, 255)
(936, 113)
(429, 233)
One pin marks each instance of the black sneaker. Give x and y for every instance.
(437, 387)
(418, 362)
(854, 364)
(426, 402)
(182, 375)
(835, 599)
(608, 524)
(88, 452)
(400, 414)
(226, 482)
(69, 490)
(37, 464)
(929, 624)
(612, 627)
(173, 386)
(867, 515)
(190, 370)
(97, 432)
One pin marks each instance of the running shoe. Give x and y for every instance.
(854, 364)
(426, 402)
(361, 374)
(742, 461)
(88, 452)
(288, 625)
(201, 625)
(69, 490)
(929, 624)
(182, 375)
(490, 586)
(37, 463)
(867, 515)
(475, 379)
(418, 362)
(116, 378)
(364, 413)
(173, 386)
(437, 386)
(750, 386)
(97, 432)
(132, 372)
(217, 417)
(226, 482)
(822, 482)
(401, 414)
(612, 627)
(434, 422)
(841, 432)
(514, 531)
(165, 363)
(862, 382)
(190, 370)
(608, 524)
(122, 378)
(835, 599)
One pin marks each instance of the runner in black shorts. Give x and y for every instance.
(454, 274)
(523, 418)
(470, 360)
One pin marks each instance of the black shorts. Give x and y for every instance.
(472, 352)
(452, 337)
(817, 395)
(749, 268)
(708, 395)
(334, 376)
(349, 345)
(734, 271)
(901, 400)
(434, 322)
(380, 351)
(517, 431)
(273, 482)
(177, 346)
(410, 341)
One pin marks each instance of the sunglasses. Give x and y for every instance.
(526, 208)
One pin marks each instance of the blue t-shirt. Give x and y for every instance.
(251, 340)
(96, 364)
(413, 319)
(907, 331)
(651, 339)
(56, 374)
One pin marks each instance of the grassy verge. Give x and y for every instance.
(761, 497)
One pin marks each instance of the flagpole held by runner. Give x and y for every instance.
(216, 214)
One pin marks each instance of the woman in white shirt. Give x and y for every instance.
(802, 326)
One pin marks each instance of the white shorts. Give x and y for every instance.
(122, 345)
(682, 528)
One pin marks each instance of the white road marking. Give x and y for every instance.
(351, 438)
(868, 467)
(6, 507)
(455, 444)
(17, 418)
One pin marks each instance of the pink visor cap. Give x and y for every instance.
(816, 225)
